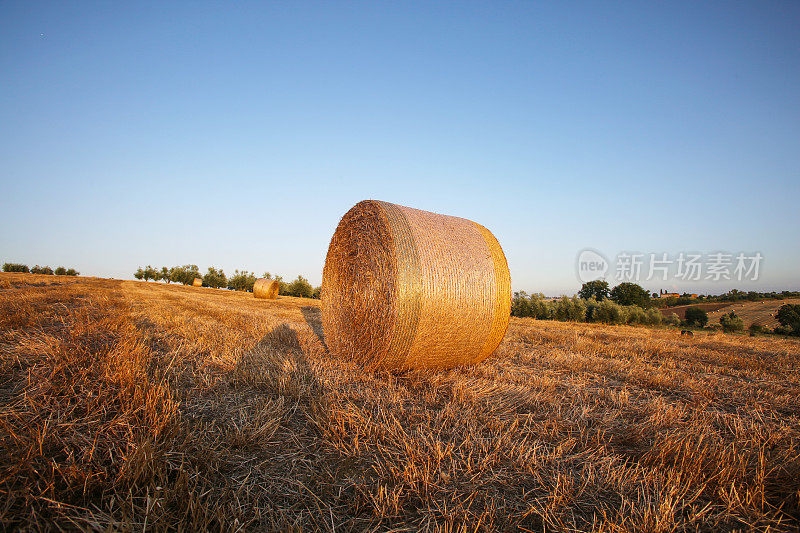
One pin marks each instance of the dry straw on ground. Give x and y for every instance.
(404, 288)
(129, 406)
(197, 282)
(266, 288)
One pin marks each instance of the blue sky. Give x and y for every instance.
(237, 136)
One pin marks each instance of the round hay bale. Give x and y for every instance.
(266, 288)
(197, 282)
(404, 288)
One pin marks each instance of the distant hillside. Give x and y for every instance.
(680, 310)
(761, 312)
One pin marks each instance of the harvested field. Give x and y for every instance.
(754, 312)
(680, 310)
(133, 405)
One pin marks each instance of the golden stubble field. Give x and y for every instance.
(140, 406)
(762, 313)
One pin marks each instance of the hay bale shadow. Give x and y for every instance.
(278, 364)
(281, 338)
(313, 317)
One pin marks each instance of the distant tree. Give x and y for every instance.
(609, 312)
(283, 287)
(61, 271)
(267, 275)
(569, 309)
(164, 275)
(139, 274)
(184, 274)
(597, 289)
(317, 293)
(535, 306)
(696, 317)
(300, 288)
(630, 294)
(215, 278)
(150, 273)
(46, 270)
(730, 322)
(788, 316)
(242, 281)
(72, 272)
(15, 267)
(519, 304)
(635, 315)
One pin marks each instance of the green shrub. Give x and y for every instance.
(534, 306)
(150, 273)
(654, 316)
(61, 271)
(789, 318)
(591, 304)
(520, 305)
(673, 319)
(569, 309)
(730, 322)
(300, 288)
(46, 270)
(215, 278)
(317, 293)
(242, 281)
(72, 272)
(696, 317)
(634, 315)
(756, 328)
(15, 267)
(183, 274)
(609, 312)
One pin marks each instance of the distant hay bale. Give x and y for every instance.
(404, 288)
(197, 282)
(266, 288)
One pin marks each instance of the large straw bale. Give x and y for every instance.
(266, 288)
(197, 282)
(404, 288)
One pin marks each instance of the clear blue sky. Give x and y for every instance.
(238, 135)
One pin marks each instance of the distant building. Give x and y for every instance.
(664, 294)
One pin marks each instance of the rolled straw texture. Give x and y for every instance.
(404, 288)
(197, 282)
(266, 288)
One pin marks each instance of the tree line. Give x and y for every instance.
(46, 270)
(629, 303)
(733, 295)
(578, 309)
(216, 278)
